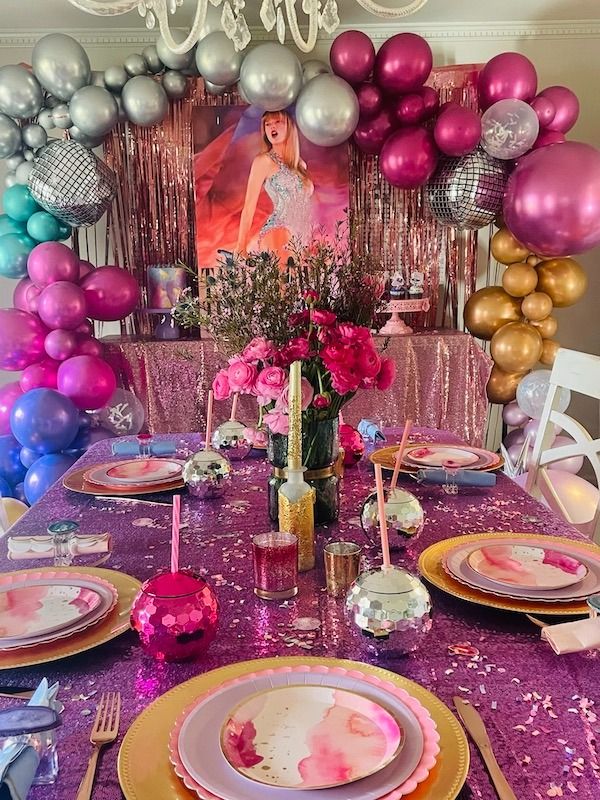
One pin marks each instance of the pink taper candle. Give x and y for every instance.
(234, 405)
(383, 531)
(175, 533)
(400, 453)
(209, 417)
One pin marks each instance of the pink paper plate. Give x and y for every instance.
(135, 472)
(435, 456)
(530, 566)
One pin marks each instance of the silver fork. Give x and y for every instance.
(105, 731)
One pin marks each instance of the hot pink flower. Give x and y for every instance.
(258, 349)
(269, 384)
(345, 379)
(241, 375)
(386, 374)
(353, 333)
(310, 295)
(278, 422)
(336, 354)
(298, 318)
(283, 401)
(295, 350)
(322, 317)
(368, 362)
(220, 385)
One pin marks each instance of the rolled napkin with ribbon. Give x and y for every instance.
(370, 430)
(573, 637)
(28, 547)
(133, 448)
(462, 477)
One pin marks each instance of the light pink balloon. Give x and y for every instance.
(532, 429)
(371, 134)
(370, 100)
(409, 158)
(88, 346)
(62, 305)
(566, 107)
(579, 498)
(410, 109)
(87, 380)
(507, 76)
(40, 375)
(515, 450)
(352, 56)
(544, 108)
(111, 293)
(49, 262)
(9, 392)
(457, 131)
(60, 344)
(513, 415)
(21, 339)
(403, 63)
(20, 294)
(547, 137)
(572, 464)
(514, 437)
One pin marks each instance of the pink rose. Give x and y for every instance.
(298, 318)
(269, 384)
(241, 375)
(385, 376)
(278, 422)
(336, 354)
(345, 380)
(368, 362)
(220, 385)
(283, 401)
(258, 349)
(353, 333)
(321, 401)
(296, 349)
(322, 317)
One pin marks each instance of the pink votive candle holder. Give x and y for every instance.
(275, 557)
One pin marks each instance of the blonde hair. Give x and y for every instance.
(291, 147)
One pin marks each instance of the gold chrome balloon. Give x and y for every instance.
(487, 310)
(516, 347)
(549, 351)
(536, 306)
(506, 249)
(533, 260)
(519, 279)
(502, 386)
(563, 279)
(547, 327)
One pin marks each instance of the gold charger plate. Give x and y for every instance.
(77, 483)
(386, 456)
(145, 770)
(113, 625)
(431, 567)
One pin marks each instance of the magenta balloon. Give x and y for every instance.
(9, 392)
(552, 199)
(547, 137)
(507, 76)
(32, 296)
(410, 109)
(431, 100)
(409, 158)
(87, 380)
(85, 267)
(60, 344)
(21, 339)
(62, 305)
(49, 262)
(87, 327)
(515, 437)
(544, 108)
(370, 100)
(566, 107)
(457, 131)
(88, 346)
(403, 63)
(111, 293)
(513, 415)
(20, 294)
(40, 375)
(371, 134)
(352, 56)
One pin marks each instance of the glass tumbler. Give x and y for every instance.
(63, 533)
(275, 558)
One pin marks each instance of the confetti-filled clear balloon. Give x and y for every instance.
(508, 129)
(123, 414)
(533, 390)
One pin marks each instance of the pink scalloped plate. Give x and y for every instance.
(367, 788)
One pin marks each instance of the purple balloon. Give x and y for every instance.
(566, 107)
(403, 63)
(87, 380)
(60, 345)
(507, 76)
(410, 109)
(8, 394)
(532, 429)
(21, 339)
(547, 137)
(371, 134)
(49, 262)
(352, 56)
(62, 305)
(40, 376)
(457, 131)
(552, 199)
(88, 346)
(111, 293)
(370, 100)
(431, 100)
(544, 108)
(516, 437)
(409, 158)
(513, 415)
(20, 294)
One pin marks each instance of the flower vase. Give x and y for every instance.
(320, 450)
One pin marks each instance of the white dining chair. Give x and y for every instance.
(579, 372)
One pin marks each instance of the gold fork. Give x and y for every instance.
(105, 731)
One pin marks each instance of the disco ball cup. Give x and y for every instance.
(207, 474)
(175, 615)
(231, 439)
(392, 608)
(404, 514)
(71, 183)
(467, 192)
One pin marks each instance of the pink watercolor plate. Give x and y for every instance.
(526, 566)
(135, 472)
(285, 737)
(436, 456)
(195, 742)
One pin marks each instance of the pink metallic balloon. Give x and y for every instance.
(566, 107)
(403, 63)
(62, 305)
(507, 76)
(9, 392)
(579, 498)
(32, 295)
(544, 108)
(457, 131)
(111, 293)
(513, 415)
(85, 267)
(40, 375)
(514, 437)
(60, 345)
(573, 464)
(88, 346)
(410, 109)
(371, 134)
(431, 100)
(352, 56)
(87, 327)
(87, 380)
(552, 199)
(20, 294)
(547, 137)
(49, 262)
(21, 339)
(409, 158)
(532, 429)
(370, 100)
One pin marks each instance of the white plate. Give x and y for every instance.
(435, 456)
(136, 472)
(526, 567)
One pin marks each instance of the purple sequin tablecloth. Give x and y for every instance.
(440, 383)
(539, 708)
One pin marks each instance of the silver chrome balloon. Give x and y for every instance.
(170, 59)
(34, 136)
(327, 110)
(60, 64)
(217, 59)
(175, 84)
(150, 53)
(28, 154)
(10, 137)
(10, 179)
(230, 439)
(97, 78)
(215, 89)
(23, 172)
(12, 162)
(20, 93)
(403, 512)
(115, 78)
(45, 119)
(87, 141)
(136, 64)
(94, 111)
(312, 68)
(271, 76)
(61, 116)
(207, 474)
(145, 101)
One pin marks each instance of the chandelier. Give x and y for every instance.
(280, 15)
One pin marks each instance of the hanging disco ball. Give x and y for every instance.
(467, 192)
(71, 183)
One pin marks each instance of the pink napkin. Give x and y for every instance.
(28, 547)
(573, 637)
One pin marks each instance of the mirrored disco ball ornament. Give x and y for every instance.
(467, 192)
(71, 183)
(392, 608)
(404, 514)
(207, 474)
(231, 439)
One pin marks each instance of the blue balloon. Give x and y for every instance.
(14, 252)
(86, 438)
(85, 420)
(5, 490)
(11, 469)
(44, 421)
(44, 227)
(46, 471)
(65, 231)
(19, 492)
(8, 225)
(28, 457)
(18, 203)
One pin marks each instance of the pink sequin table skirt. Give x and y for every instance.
(440, 383)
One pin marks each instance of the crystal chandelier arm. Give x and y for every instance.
(159, 8)
(391, 13)
(102, 8)
(301, 44)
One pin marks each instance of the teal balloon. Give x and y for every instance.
(43, 227)
(18, 203)
(14, 252)
(64, 231)
(8, 225)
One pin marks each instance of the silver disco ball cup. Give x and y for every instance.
(207, 474)
(231, 439)
(403, 512)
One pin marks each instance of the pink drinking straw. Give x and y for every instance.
(234, 405)
(175, 533)
(209, 416)
(400, 453)
(383, 531)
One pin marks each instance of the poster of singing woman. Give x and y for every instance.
(260, 185)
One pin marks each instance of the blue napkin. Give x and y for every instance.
(369, 430)
(463, 477)
(133, 448)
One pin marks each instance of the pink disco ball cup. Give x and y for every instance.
(175, 615)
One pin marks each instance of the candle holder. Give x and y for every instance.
(275, 557)
(404, 514)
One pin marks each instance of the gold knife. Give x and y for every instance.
(472, 721)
